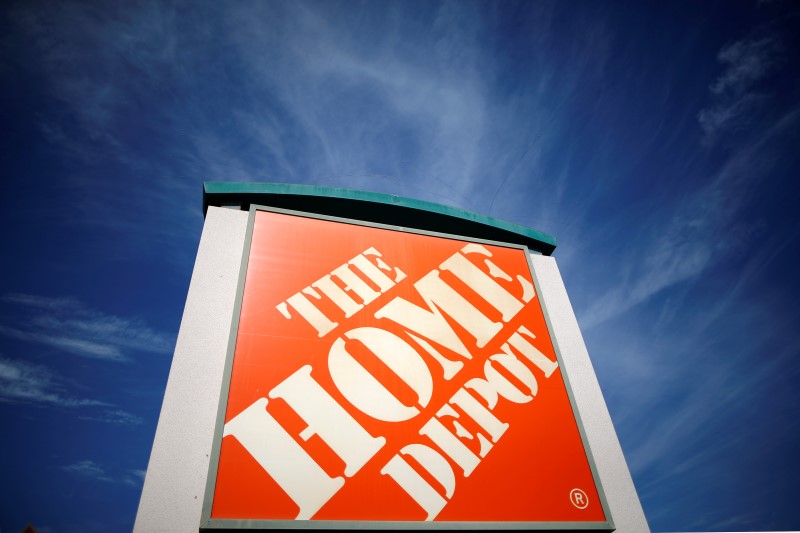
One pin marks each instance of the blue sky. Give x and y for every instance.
(657, 141)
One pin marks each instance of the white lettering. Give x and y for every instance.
(483, 284)
(283, 459)
(530, 351)
(338, 296)
(437, 293)
(364, 390)
(366, 267)
(415, 485)
(328, 419)
(480, 414)
(307, 310)
(354, 283)
(449, 443)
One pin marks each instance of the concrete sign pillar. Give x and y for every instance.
(350, 360)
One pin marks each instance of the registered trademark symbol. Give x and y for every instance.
(579, 498)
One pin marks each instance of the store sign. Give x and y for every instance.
(383, 375)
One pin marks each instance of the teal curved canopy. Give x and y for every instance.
(374, 207)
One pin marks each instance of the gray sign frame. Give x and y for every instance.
(209, 524)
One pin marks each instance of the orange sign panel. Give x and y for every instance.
(382, 375)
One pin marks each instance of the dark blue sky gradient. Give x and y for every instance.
(657, 141)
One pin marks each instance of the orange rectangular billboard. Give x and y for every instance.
(390, 377)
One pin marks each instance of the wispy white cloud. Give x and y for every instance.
(734, 93)
(702, 227)
(89, 469)
(346, 100)
(70, 36)
(710, 404)
(93, 470)
(22, 382)
(393, 102)
(107, 73)
(720, 391)
(115, 416)
(71, 326)
(134, 478)
(27, 383)
(76, 346)
(746, 62)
